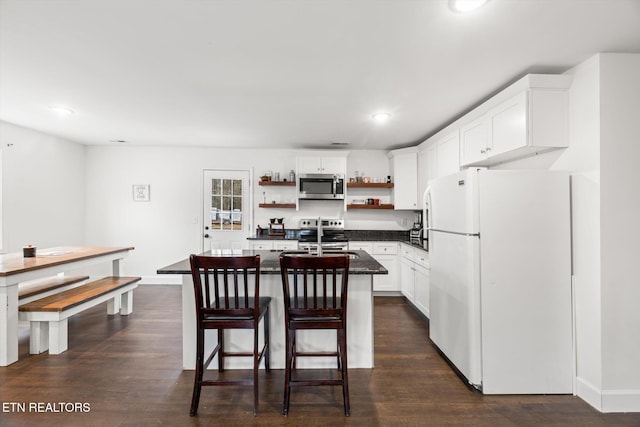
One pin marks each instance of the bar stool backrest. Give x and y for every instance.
(226, 285)
(315, 285)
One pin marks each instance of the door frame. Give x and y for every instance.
(250, 214)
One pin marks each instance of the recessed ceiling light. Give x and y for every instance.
(465, 5)
(381, 117)
(61, 110)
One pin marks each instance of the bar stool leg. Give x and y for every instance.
(342, 338)
(197, 383)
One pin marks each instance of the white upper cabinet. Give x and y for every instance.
(404, 164)
(448, 154)
(474, 140)
(332, 165)
(529, 117)
(424, 169)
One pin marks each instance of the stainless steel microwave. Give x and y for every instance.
(320, 186)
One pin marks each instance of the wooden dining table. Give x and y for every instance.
(15, 269)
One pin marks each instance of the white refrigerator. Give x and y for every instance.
(500, 289)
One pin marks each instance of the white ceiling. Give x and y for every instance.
(282, 73)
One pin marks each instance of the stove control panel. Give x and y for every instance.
(326, 223)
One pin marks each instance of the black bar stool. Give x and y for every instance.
(227, 296)
(315, 297)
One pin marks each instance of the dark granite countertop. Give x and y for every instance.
(270, 264)
(359, 235)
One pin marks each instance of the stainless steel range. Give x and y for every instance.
(317, 234)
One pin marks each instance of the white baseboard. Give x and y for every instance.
(589, 393)
(621, 401)
(608, 401)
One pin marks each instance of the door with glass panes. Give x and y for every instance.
(226, 209)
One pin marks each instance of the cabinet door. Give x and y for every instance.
(423, 172)
(422, 289)
(407, 272)
(509, 125)
(432, 164)
(334, 165)
(405, 188)
(386, 282)
(474, 140)
(309, 164)
(448, 157)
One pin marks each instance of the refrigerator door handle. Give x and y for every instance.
(426, 214)
(454, 232)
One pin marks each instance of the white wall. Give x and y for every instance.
(620, 230)
(169, 227)
(602, 158)
(43, 189)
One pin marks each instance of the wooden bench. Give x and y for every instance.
(39, 288)
(48, 316)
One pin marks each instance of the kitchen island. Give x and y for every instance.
(359, 322)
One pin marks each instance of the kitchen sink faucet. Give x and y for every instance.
(320, 233)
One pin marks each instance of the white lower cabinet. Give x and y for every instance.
(414, 276)
(279, 245)
(386, 253)
(261, 244)
(421, 279)
(407, 280)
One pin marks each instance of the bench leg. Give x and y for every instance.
(126, 303)
(39, 337)
(113, 305)
(58, 336)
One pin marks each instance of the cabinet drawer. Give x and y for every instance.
(422, 258)
(285, 245)
(261, 244)
(361, 246)
(380, 248)
(407, 251)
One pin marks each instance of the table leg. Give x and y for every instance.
(116, 267)
(8, 324)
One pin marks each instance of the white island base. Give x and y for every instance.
(359, 329)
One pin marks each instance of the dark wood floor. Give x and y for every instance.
(128, 371)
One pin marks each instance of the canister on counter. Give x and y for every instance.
(29, 251)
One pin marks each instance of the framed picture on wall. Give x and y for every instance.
(141, 192)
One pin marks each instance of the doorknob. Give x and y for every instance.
(206, 236)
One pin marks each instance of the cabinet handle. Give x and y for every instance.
(488, 149)
(483, 151)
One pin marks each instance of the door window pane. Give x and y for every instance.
(226, 204)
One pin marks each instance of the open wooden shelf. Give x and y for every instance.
(277, 205)
(369, 185)
(364, 206)
(278, 183)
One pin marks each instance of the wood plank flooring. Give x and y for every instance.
(127, 370)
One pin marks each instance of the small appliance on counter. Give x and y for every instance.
(276, 227)
(415, 234)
